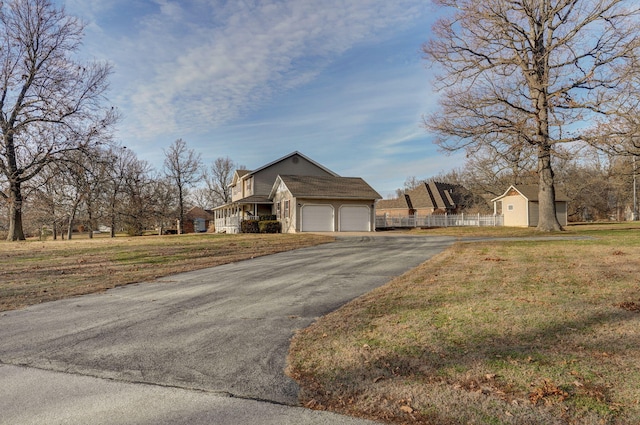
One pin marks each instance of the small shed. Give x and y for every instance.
(197, 220)
(520, 207)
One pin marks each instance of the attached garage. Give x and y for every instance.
(323, 204)
(355, 218)
(317, 218)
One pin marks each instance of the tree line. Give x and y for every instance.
(598, 184)
(111, 189)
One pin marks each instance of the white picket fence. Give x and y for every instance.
(439, 220)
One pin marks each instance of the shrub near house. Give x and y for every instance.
(265, 224)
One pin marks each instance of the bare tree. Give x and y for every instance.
(50, 104)
(530, 72)
(86, 174)
(47, 200)
(136, 205)
(182, 166)
(218, 178)
(121, 161)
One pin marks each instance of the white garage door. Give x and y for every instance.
(317, 218)
(355, 218)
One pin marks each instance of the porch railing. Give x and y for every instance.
(231, 224)
(439, 220)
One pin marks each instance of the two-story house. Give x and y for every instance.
(316, 203)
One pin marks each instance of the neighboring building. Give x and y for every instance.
(197, 220)
(396, 207)
(427, 198)
(520, 208)
(324, 204)
(253, 196)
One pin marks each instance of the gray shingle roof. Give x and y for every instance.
(531, 192)
(433, 194)
(399, 203)
(329, 187)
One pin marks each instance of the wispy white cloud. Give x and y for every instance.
(255, 79)
(200, 64)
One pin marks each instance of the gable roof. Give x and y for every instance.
(530, 192)
(292, 154)
(197, 212)
(403, 202)
(237, 175)
(434, 195)
(326, 187)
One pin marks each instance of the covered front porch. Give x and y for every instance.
(228, 218)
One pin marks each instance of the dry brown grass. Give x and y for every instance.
(489, 333)
(34, 271)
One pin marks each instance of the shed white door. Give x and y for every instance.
(355, 218)
(317, 218)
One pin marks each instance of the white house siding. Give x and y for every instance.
(518, 216)
(288, 221)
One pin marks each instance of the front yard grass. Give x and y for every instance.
(32, 272)
(504, 332)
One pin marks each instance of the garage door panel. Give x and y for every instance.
(317, 218)
(355, 218)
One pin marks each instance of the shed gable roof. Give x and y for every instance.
(326, 187)
(530, 192)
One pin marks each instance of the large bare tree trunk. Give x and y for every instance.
(15, 213)
(547, 218)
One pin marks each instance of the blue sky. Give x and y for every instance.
(342, 81)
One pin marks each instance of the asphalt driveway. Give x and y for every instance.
(221, 332)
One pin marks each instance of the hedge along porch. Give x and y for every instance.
(324, 204)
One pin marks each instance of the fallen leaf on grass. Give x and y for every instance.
(547, 392)
(629, 306)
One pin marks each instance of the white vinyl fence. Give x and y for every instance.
(439, 220)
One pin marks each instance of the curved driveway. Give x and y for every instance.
(223, 332)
